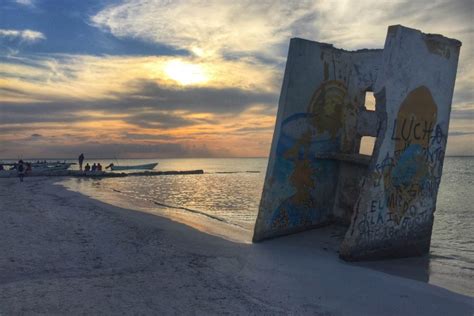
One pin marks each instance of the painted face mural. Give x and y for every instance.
(303, 135)
(410, 172)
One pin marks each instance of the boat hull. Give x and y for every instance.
(149, 166)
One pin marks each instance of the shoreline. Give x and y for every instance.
(191, 218)
(426, 268)
(63, 252)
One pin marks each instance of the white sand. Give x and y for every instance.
(63, 253)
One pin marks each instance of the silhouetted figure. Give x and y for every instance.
(81, 160)
(1, 167)
(87, 167)
(94, 167)
(109, 166)
(21, 169)
(99, 167)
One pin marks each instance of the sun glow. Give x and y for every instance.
(185, 73)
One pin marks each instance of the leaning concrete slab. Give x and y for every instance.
(394, 214)
(322, 96)
(315, 174)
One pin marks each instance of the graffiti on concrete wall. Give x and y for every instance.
(410, 177)
(410, 173)
(316, 175)
(303, 135)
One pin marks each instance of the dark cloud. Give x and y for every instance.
(460, 113)
(151, 119)
(195, 99)
(464, 95)
(10, 129)
(150, 106)
(254, 130)
(143, 136)
(461, 133)
(38, 117)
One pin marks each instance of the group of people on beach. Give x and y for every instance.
(23, 168)
(95, 167)
(87, 167)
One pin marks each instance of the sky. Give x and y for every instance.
(194, 78)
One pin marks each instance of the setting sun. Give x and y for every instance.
(185, 73)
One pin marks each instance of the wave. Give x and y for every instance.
(188, 210)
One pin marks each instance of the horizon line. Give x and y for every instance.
(115, 158)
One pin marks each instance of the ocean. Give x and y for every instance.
(229, 191)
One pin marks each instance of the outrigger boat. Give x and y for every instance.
(50, 166)
(41, 166)
(149, 166)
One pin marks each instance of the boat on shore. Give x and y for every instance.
(149, 166)
(51, 166)
(39, 165)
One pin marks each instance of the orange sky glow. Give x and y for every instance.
(182, 79)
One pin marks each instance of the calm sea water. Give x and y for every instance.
(230, 190)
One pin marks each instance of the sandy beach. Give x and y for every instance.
(64, 253)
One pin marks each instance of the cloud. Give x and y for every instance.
(261, 29)
(146, 102)
(460, 133)
(149, 94)
(161, 120)
(98, 149)
(257, 27)
(27, 3)
(77, 77)
(207, 28)
(25, 36)
(161, 116)
(222, 134)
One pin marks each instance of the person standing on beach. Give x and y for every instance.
(81, 160)
(20, 168)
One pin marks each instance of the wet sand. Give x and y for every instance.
(64, 253)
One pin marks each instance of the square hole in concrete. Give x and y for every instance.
(369, 101)
(367, 144)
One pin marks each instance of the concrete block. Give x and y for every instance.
(315, 174)
(394, 214)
